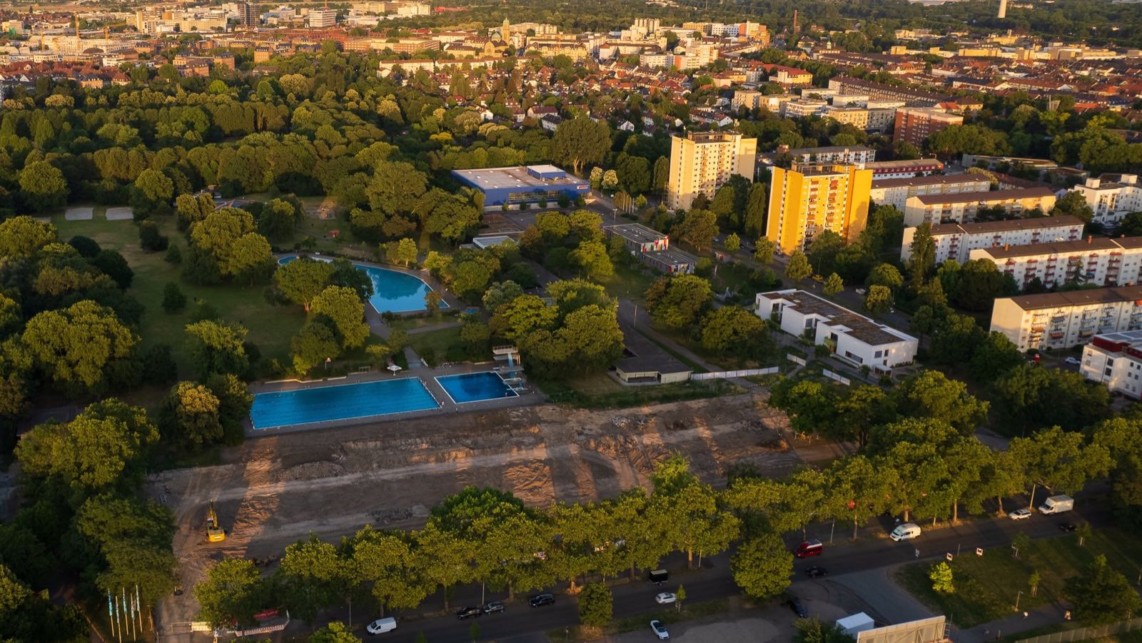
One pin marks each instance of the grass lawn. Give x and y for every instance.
(631, 282)
(668, 614)
(987, 586)
(271, 327)
(444, 345)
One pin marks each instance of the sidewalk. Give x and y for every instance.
(995, 630)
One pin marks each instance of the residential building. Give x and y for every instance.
(322, 18)
(915, 124)
(1112, 197)
(957, 240)
(653, 248)
(958, 208)
(514, 186)
(247, 15)
(881, 91)
(853, 338)
(882, 114)
(701, 162)
(808, 200)
(1091, 261)
(855, 116)
(1060, 320)
(903, 169)
(1115, 359)
(783, 75)
(896, 192)
(854, 155)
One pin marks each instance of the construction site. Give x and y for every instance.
(273, 491)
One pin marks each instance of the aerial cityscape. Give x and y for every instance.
(534, 321)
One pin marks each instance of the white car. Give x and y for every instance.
(659, 630)
(382, 625)
(1073, 361)
(906, 531)
(665, 598)
(1020, 514)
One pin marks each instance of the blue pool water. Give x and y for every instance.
(475, 387)
(345, 402)
(393, 292)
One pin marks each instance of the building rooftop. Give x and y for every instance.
(984, 197)
(935, 179)
(1090, 244)
(859, 326)
(1091, 297)
(635, 232)
(672, 257)
(712, 137)
(996, 227)
(517, 177)
(830, 149)
(904, 163)
(644, 356)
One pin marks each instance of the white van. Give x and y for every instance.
(382, 625)
(906, 531)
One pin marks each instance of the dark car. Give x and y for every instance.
(798, 607)
(1067, 526)
(469, 612)
(816, 572)
(493, 607)
(539, 600)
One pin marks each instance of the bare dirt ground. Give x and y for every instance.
(274, 491)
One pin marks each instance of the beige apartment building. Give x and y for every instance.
(896, 192)
(1090, 261)
(702, 162)
(958, 208)
(1060, 320)
(957, 240)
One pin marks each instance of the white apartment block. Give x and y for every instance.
(758, 100)
(882, 114)
(1101, 262)
(1115, 359)
(853, 338)
(896, 192)
(702, 162)
(857, 155)
(1112, 197)
(803, 107)
(1060, 320)
(322, 18)
(957, 240)
(855, 116)
(957, 208)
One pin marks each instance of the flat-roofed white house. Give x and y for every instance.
(853, 338)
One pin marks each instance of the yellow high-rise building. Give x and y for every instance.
(809, 199)
(702, 162)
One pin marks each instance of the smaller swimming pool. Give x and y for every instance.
(344, 402)
(393, 291)
(475, 387)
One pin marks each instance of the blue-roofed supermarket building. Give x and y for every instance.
(516, 185)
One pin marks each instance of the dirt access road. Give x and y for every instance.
(274, 491)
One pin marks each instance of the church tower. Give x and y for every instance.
(506, 32)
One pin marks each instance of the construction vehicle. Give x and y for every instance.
(214, 532)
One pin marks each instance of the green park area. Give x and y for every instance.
(270, 327)
(988, 587)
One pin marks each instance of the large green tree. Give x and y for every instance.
(43, 186)
(217, 347)
(580, 142)
(78, 345)
(303, 279)
(762, 567)
(231, 592)
(678, 301)
(345, 312)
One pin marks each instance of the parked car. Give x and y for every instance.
(798, 607)
(469, 612)
(539, 600)
(382, 625)
(1020, 514)
(665, 598)
(1067, 526)
(816, 572)
(809, 548)
(906, 531)
(659, 630)
(1073, 361)
(493, 607)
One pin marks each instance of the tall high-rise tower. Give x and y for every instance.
(795, 22)
(702, 162)
(1002, 9)
(506, 31)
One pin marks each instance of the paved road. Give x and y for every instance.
(520, 623)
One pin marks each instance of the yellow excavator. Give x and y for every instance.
(214, 532)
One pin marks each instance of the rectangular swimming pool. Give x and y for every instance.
(475, 387)
(344, 402)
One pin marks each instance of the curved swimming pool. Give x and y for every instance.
(393, 292)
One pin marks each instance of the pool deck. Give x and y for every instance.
(427, 377)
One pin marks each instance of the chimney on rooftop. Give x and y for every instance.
(1089, 239)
